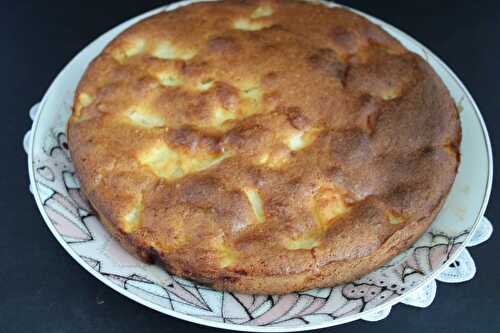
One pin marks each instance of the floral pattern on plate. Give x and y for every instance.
(73, 218)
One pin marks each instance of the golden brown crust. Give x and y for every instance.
(263, 146)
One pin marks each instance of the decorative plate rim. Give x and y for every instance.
(190, 318)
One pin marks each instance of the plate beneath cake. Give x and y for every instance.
(70, 219)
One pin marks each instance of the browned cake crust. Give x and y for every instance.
(263, 147)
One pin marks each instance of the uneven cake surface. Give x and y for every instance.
(263, 147)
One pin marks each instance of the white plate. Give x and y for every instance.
(70, 219)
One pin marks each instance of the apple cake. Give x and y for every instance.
(263, 146)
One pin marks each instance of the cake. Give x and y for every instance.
(265, 146)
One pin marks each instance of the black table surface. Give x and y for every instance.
(42, 289)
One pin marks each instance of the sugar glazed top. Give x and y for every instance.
(263, 147)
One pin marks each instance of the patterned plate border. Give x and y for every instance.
(72, 222)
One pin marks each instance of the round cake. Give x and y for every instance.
(263, 147)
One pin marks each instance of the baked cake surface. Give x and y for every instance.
(263, 147)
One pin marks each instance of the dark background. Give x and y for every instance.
(42, 289)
